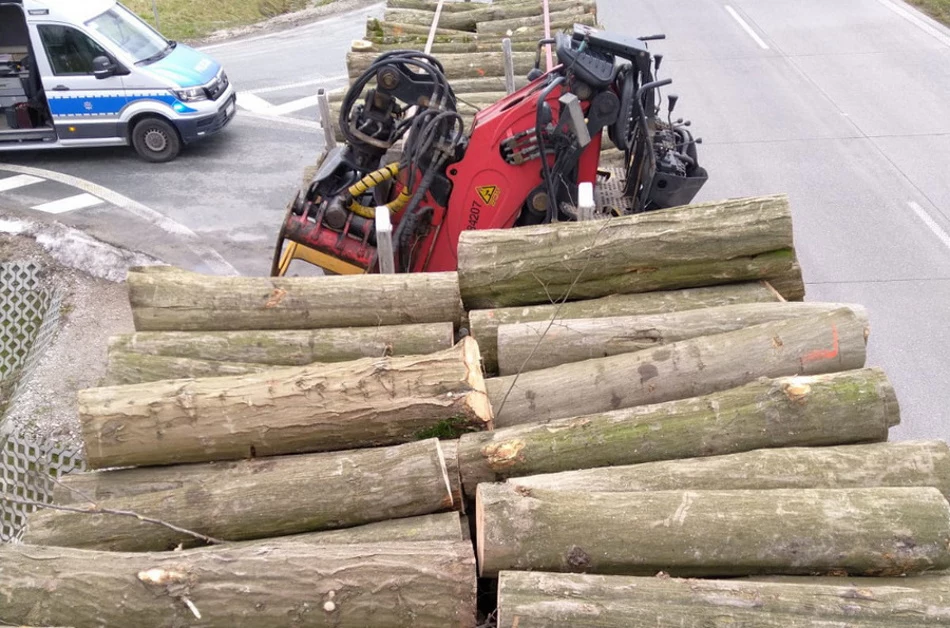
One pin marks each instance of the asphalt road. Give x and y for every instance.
(230, 191)
(844, 105)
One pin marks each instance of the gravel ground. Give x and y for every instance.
(93, 309)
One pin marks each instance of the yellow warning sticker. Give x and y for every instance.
(489, 194)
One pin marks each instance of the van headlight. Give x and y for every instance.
(191, 94)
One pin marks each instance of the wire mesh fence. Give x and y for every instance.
(29, 318)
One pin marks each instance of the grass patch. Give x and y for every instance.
(186, 19)
(937, 9)
(447, 429)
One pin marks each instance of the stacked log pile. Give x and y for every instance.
(679, 418)
(467, 41)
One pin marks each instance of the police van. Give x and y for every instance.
(91, 73)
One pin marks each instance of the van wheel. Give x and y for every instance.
(156, 140)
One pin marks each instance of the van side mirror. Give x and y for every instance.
(103, 67)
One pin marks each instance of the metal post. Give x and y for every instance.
(547, 33)
(384, 241)
(585, 201)
(435, 25)
(323, 104)
(509, 65)
(158, 25)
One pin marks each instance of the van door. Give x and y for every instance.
(83, 106)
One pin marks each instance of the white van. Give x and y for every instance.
(91, 73)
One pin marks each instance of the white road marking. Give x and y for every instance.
(252, 103)
(298, 84)
(69, 204)
(294, 122)
(214, 260)
(294, 105)
(920, 21)
(17, 181)
(937, 230)
(745, 26)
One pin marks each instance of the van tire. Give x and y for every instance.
(156, 140)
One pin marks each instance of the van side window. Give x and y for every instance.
(70, 51)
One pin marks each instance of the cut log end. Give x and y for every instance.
(479, 403)
(449, 502)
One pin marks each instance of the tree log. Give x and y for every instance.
(290, 347)
(467, 20)
(466, 65)
(908, 463)
(183, 301)
(322, 407)
(365, 45)
(442, 45)
(684, 247)
(277, 584)
(384, 28)
(550, 600)
(430, 5)
(484, 324)
(443, 526)
(537, 345)
(867, 531)
(808, 345)
(559, 20)
(462, 87)
(135, 368)
(261, 498)
(849, 407)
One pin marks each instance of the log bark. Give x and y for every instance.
(870, 531)
(183, 301)
(430, 5)
(443, 45)
(290, 347)
(849, 407)
(462, 87)
(696, 245)
(537, 345)
(484, 324)
(467, 20)
(908, 463)
(384, 28)
(808, 345)
(365, 45)
(135, 368)
(322, 407)
(262, 498)
(559, 20)
(551, 600)
(278, 584)
(465, 65)
(443, 526)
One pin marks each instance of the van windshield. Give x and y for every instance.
(131, 34)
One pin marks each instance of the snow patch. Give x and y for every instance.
(74, 249)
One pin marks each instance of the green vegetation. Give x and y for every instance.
(447, 429)
(937, 9)
(187, 19)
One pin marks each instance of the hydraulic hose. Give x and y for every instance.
(370, 181)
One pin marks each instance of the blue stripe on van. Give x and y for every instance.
(108, 105)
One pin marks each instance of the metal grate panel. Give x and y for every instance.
(26, 466)
(29, 318)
